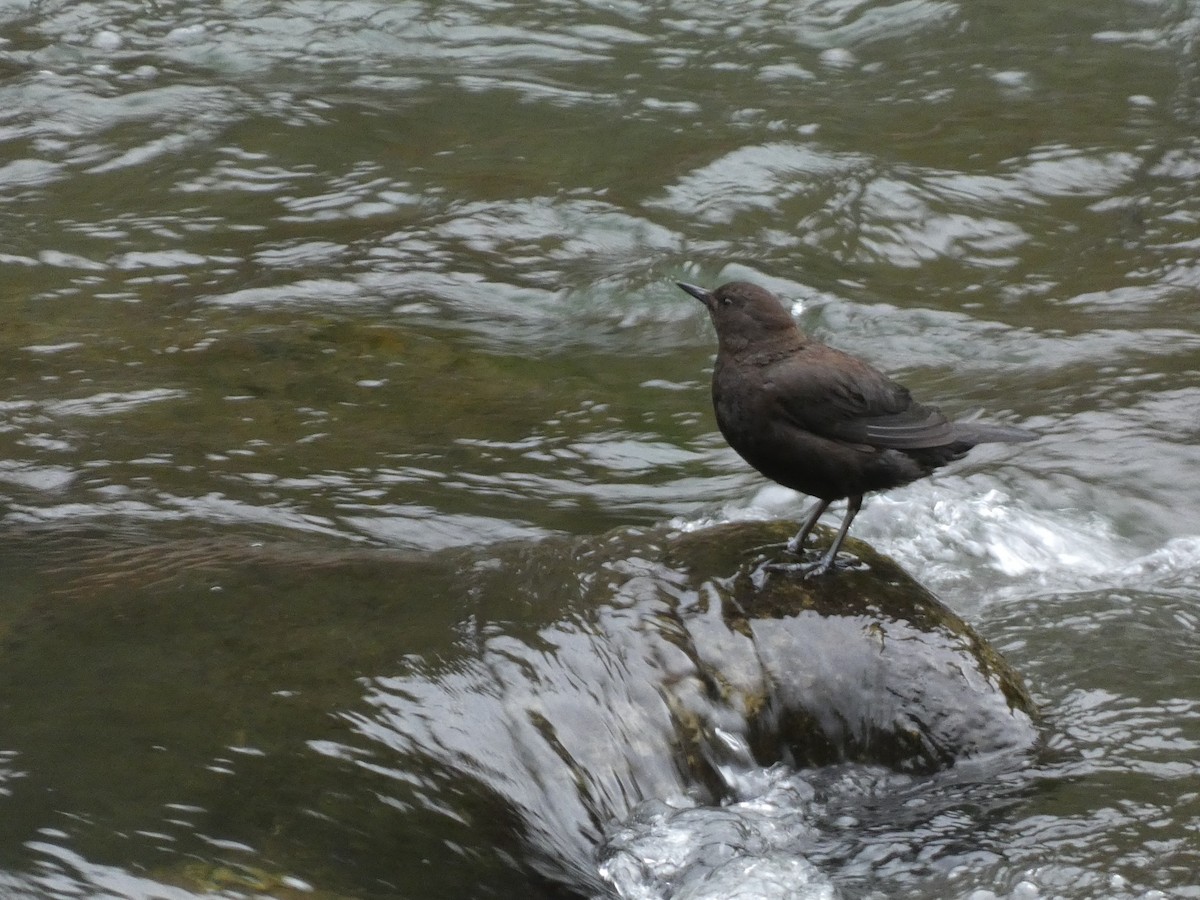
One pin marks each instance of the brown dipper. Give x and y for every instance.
(818, 420)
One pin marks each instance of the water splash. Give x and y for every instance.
(948, 535)
(749, 848)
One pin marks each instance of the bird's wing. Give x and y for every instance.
(839, 396)
(918, 427)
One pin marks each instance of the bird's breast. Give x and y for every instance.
(747, 412)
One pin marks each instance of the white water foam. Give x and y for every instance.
(949, 534)
(750, 849)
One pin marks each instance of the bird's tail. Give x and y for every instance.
(987, 433)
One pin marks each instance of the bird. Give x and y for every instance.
(818, 420)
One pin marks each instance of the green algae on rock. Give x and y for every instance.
(862, 665)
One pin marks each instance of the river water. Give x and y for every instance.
(313, 311)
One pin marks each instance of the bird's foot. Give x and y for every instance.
(802, 541)
(818, 567)
(761, 549)
(821, 567)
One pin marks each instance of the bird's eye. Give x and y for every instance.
(727, 301)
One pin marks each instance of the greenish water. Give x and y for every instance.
(308, 306)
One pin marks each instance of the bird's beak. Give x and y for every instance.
(699, 293)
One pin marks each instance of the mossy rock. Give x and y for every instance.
(515, 699)
(860, 664)
(215, 879)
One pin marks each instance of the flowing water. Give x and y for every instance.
(318, 315)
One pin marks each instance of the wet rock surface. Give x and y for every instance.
(275, 688)
(859, 665)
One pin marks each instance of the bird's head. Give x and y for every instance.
(744, 314)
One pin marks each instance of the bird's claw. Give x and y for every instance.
(816, 568)
(798, 571)
(794, 547)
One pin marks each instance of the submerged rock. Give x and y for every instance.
(518, 702)
(674, 662)
(861, 665)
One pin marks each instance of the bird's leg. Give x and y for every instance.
(825, 563)
(796, 544)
